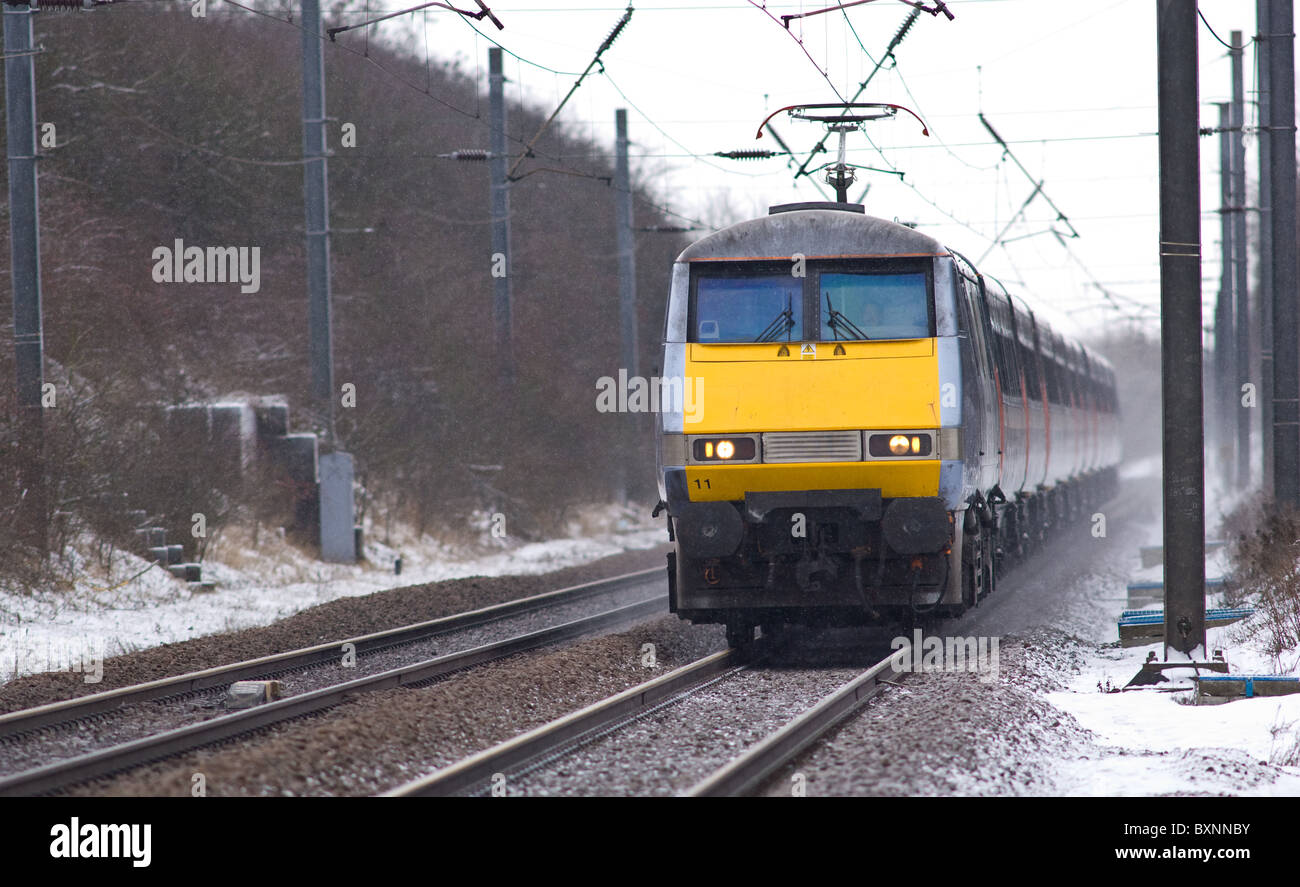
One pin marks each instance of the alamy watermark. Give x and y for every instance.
(214, 264)
(86, 660)
(978, 655)
(656, 394)
(102, 841)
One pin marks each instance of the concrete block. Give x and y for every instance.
(299, 456)
(246, 694)
(188, 572)
(337, 533)
(150, 537)
(1246, 686)
(233, 444)
(272, 420)
(188, 427)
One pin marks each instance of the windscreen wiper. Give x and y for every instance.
(782, 323)
(837, 321)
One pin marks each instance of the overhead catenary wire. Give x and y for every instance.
(941, 143)
(701, 157)
(483, 12)
(365, 55)
(1213, 33)
(425, 91)
(696, 224)
(917, 191)
(298, 161)
(1038, 185)
(516, 56)
(789, 162)
(938, 8)
(820, 70)
(895, 68)
(1112, 299)
(1107, 293)
(416, 87)
(608, 42)
(898, 38)
(687, 152)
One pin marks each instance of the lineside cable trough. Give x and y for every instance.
(1140, 627)
(1142, 624)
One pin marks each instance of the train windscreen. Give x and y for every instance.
(748, 308)
(874, 306)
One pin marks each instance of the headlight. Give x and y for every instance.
(900, 444)
(724, 449)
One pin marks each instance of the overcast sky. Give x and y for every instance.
(1071, 84)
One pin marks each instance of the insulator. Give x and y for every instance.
(618, 29)
(905, 27)
(746, 154)
(472, 155)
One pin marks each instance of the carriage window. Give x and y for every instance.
(1053, 378)
(1029, 360)
(1009, 374)
(874, 306)
(751, 308)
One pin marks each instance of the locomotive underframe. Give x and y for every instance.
(843, 569)
(798, 560)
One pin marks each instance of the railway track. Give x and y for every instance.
(123, 756)
(751, 768)
(517, 758)
(54, 714)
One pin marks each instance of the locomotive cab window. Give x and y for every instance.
(833, 300)
(755, 307)
(874, 306)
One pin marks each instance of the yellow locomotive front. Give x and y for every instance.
(811, 448)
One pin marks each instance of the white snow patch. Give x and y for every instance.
(1129, 772)
(62, 630)
(1151, 742)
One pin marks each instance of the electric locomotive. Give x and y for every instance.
(874, 427)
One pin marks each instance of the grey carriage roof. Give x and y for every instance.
(814, 233)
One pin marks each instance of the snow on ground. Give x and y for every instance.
(98, 617)
(1155, 742)
(1151, 742)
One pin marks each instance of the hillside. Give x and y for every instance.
(161, 137)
